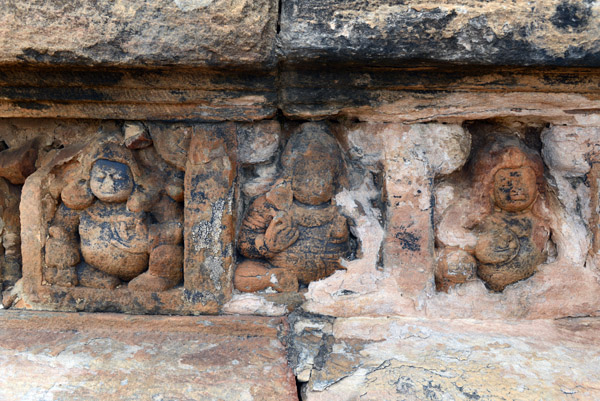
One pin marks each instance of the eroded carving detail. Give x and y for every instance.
(120, 220)
(16, 164)
(498, 231)
(294, 234)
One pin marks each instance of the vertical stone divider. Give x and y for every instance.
(32, 237)
(414, 156)
(593, 158)
(409, 238)
(594, 182)
(209, 214)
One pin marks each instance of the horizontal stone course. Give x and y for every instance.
(224, 33)
(548, 32)
(251, 34)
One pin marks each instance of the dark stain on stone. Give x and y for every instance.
(60, 57)
(573, 15)
(53, 94)
(31, 105)
(408, 240)
(197, 297)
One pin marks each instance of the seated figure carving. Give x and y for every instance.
(110, 229)
(504, 231)
(294, 234)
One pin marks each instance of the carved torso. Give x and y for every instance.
(114, 240)
(322, 240)
(510, 248)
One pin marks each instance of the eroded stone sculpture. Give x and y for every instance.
(294, 234)
(120, 221)
(16, 164)
(498, 231)
(10, 246)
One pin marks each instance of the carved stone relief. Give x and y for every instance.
(123, 214)
(294, 233)
(16, 164)
(498, 230)
(192, 218)
(105, 221)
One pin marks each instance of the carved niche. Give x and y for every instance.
(497, 230)
(294, 233)
(119, 222)
(105, 222)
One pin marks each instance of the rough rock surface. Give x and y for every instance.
(414, 359)
(451, 94)
(131, 33)
(136, 94)
(63, 356)
(394, 275)
(548, 32)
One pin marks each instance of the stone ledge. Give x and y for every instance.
(66, 356)
(145, 94)
(418, 359)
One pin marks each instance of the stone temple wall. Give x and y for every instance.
(396, 200)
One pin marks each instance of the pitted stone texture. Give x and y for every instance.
(132, 33)
(404, 283)
(64, 356)
(413, 359)
(573, 157)
(548, 32)
(395, 269)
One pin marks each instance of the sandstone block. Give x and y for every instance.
(115, 357)
(209, 215)
(549, 32)
(104, 231)
(414, 359)
(200, 33)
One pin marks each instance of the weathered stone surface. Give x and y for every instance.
(548, 32)
(137, 94)
(415, 359)
(63, 356)
(136, 135)
(258, 142)
(395, 266)
(10, 234)
(388, 279)
(294, 234)
(16, 164)
(209, 214)
(572, 155)
(129, 33)
(442, 94)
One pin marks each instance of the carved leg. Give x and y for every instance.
(63, 276)
(252, 276)
(164, 270)
(91, 277)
